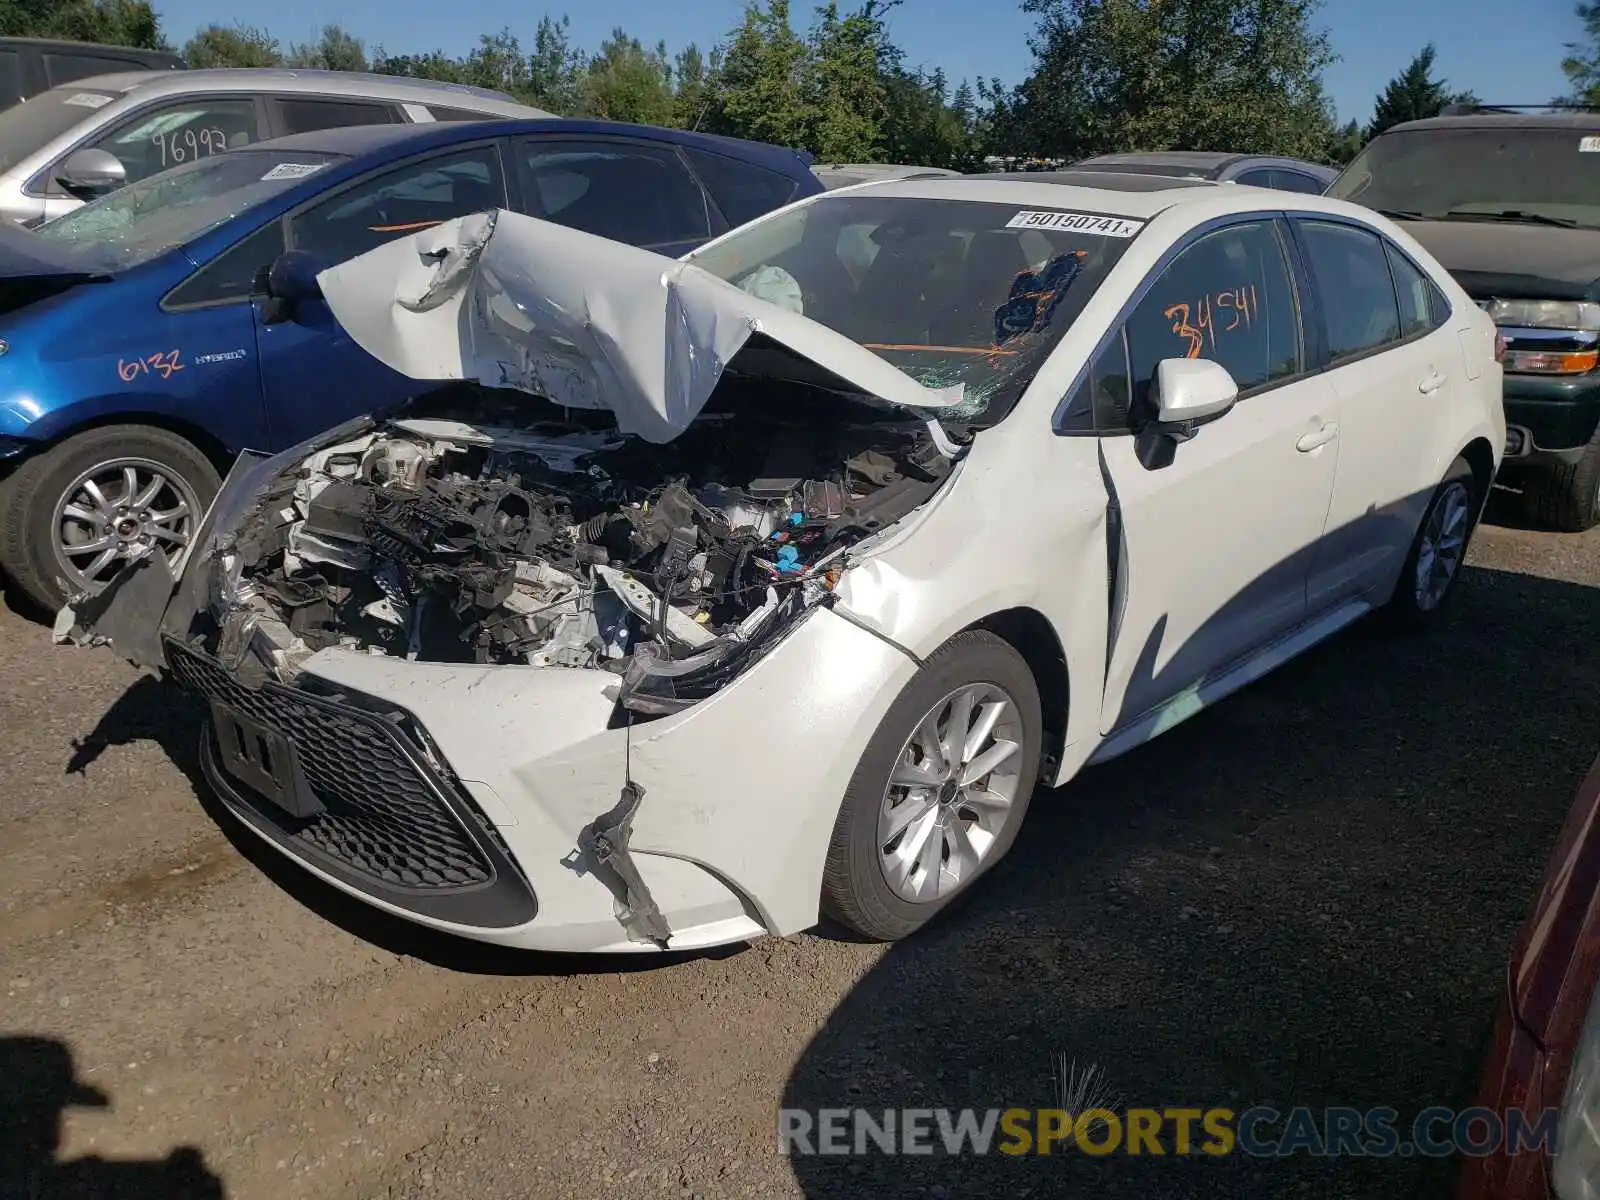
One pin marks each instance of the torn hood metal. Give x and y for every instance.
(511, 301)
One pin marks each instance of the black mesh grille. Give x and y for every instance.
(386, 819)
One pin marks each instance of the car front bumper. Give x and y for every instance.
(464, 798)
(1556, 415)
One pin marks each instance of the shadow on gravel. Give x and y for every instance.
(38, 1083)
(1304, 896)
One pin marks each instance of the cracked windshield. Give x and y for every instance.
(951, 292)
(144, 220)
(1520, 175)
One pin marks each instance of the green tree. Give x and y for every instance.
(1414, 95)
(692, 76)
(842, 89)
(760, 89)
(117, 22)
(433, 65)
(1240, 75)
(236, 45)
(555, 69)
(1346, 144)
(1582, 63)
(626, 82)
(335, 50)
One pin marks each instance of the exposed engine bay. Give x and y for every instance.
(498, 530)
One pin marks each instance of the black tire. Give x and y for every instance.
(1566, 496)
(30, 494)
(1405, 609)
(854, 888)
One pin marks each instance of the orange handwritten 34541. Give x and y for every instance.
(162, 364)
(1198, 322)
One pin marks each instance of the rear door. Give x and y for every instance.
(628, 190)
(313, 375)
(1395, 368)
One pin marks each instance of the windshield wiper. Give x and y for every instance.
(1400, 214)
(1513, 214)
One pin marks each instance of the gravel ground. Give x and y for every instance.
(1304, 896)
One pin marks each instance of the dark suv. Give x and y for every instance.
(1509, 203)
(29, 66)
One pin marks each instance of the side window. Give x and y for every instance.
(441, 113)
(398, 202)
(11, 88)
(1298, 181)
(231, 275)
(1256, 179)
(628, 192)
(1227, 297)
(1420, 302)
(64, 68)
(1352, 280)
(309, 115)
(161, 137)
(743, 192)
(1104, 396)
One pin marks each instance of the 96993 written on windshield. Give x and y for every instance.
(181, 145)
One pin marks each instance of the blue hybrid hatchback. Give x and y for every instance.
(145, 339)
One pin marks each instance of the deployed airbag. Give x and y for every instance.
(514, 302)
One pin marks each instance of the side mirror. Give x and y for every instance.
(290, 281)
(90, 173)
(1186, 393)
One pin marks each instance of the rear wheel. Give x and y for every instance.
(1439, 549)
(1566, 496)
(940, 792)
(75, 515)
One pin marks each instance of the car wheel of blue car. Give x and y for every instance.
(75, 515)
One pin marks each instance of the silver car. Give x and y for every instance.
(1257, 170)
(91, 136)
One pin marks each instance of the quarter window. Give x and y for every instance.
(1227, 297)
(1420, 303)
(743, 192)
(642, 195)
(399, 202)
(232, 274)
(308, 116)
(1354, 285)
(165, 136)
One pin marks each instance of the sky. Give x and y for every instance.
(1506, 51)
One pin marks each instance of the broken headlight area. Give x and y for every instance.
(470, 534)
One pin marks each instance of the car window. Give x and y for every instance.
(1227, 297)
(11, 90)
(309, 115)
(1256, 179)
(1420, 305)
(168, 135)
(1104, 395)
(401, 201)
(743, 192)
(1297, 181)
(441, 113)
(642, 195)
(64, 68)
(1353, 283)
(232, 274)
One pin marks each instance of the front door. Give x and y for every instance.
(1217, 545)
(313, 374)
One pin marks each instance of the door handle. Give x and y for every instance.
(1318, 437)
(1432, 383)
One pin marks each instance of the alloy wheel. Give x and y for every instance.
(118, 511)
(1443, 544)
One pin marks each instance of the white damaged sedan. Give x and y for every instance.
(721, 593)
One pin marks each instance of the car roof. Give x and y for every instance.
(360, 140)
(38, 43)
(1581, 120)
(1139, 196)
(1195, 160)
(284, 79)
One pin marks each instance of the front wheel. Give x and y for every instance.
(75, 515)
(1439, 549)
(940, 791)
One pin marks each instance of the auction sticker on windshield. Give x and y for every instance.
(1589, 145)
(88, 100)
(291, 171)
(1117, 227)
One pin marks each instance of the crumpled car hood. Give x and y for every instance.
(511, 301)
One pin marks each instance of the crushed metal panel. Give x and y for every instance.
(514, 302)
